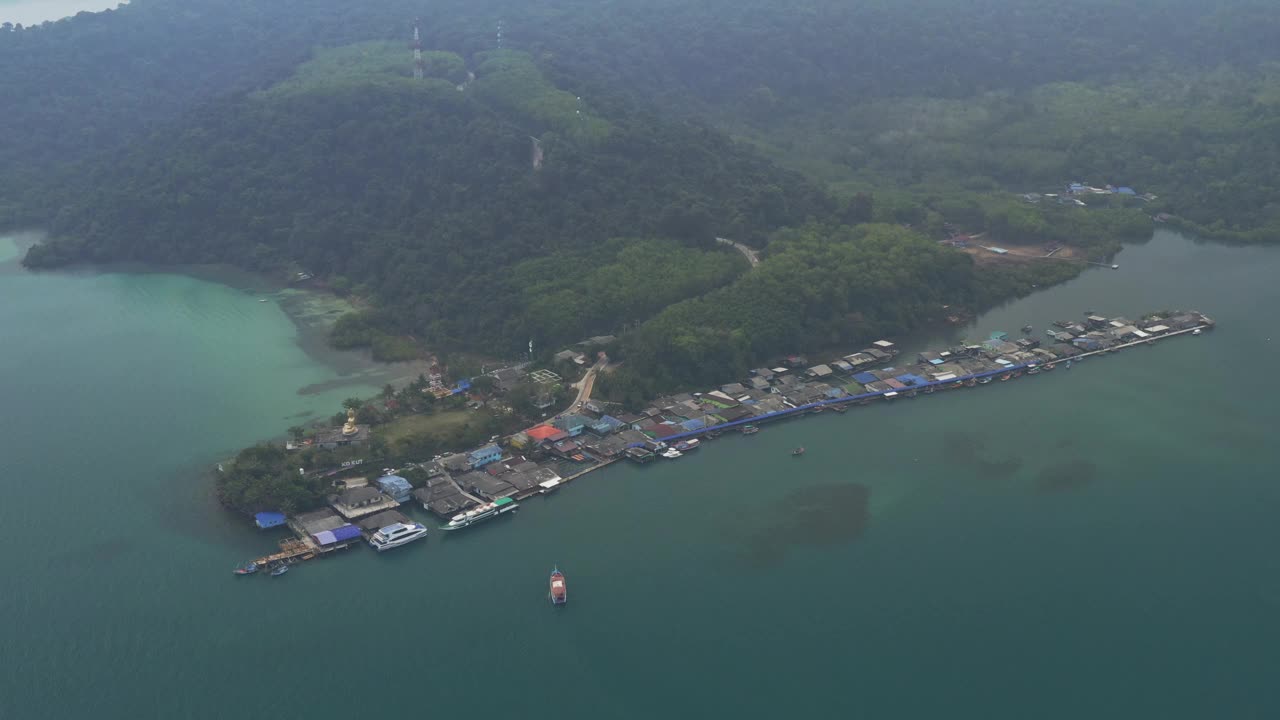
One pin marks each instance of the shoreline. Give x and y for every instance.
(654, 436)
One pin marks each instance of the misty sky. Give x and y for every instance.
(34, 12)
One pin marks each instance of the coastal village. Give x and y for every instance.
(477, 484)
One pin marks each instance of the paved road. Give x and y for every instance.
(751, 255)
(585, 385)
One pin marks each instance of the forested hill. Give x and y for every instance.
(427, 198)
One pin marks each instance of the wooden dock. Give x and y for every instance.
(290, 549)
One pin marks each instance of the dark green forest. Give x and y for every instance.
(573, 181)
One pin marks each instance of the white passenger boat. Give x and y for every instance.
(672, 454)
(397, 534)
(482, 513)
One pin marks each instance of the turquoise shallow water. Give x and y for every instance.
(1097, 542)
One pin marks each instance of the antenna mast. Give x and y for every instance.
(418, 63)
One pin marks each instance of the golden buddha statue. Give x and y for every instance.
(350, 427)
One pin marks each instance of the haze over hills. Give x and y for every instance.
(292, 136)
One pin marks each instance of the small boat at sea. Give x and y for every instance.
(797, 452)
(672, 454)
(279, 570)
(1027, 329)
(482, 513)
(559, 592)
(750, 429)
(246, 569)
(397, 534)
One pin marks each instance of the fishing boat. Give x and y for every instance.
(817, 410)
(246, 569)
(685, 446)
(1005, 377)
(672, 454)
(1049, 367)
(1027, 329)
(1196, 331)
(1033, 370)
(279, 570)
(750, 429)
(559, 592)
(798, 451)
(842, 409)
(397, 534)
(482, 513)
(985, 380)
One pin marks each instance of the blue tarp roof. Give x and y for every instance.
(1126, 191)
(910, 379)
(693, 424)
(342, 534)
(269, 519)
(865, 377)
(393, 481)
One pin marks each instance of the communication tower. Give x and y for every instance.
(419, 65)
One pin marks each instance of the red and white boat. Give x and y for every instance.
(559, 591)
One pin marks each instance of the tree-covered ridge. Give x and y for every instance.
(820, 287)
(510, 80)
(425, 199)
(376, 62)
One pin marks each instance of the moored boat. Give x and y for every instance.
(685, 446)
(750, 429)
(559, 591)
(248, 568)
(842, 409)
(985, 380)
(397, 534)
(672, 454)
(482, 513)
(279, 570)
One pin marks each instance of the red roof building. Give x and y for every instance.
(543, 433)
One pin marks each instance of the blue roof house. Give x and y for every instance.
(395, 487)
(485, 455)
(269, 519)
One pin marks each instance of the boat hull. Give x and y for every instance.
(476, 521)
(558, 590)
(398, 542)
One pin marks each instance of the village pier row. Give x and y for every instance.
(542, 459)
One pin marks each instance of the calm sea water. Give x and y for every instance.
(1098, 542)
